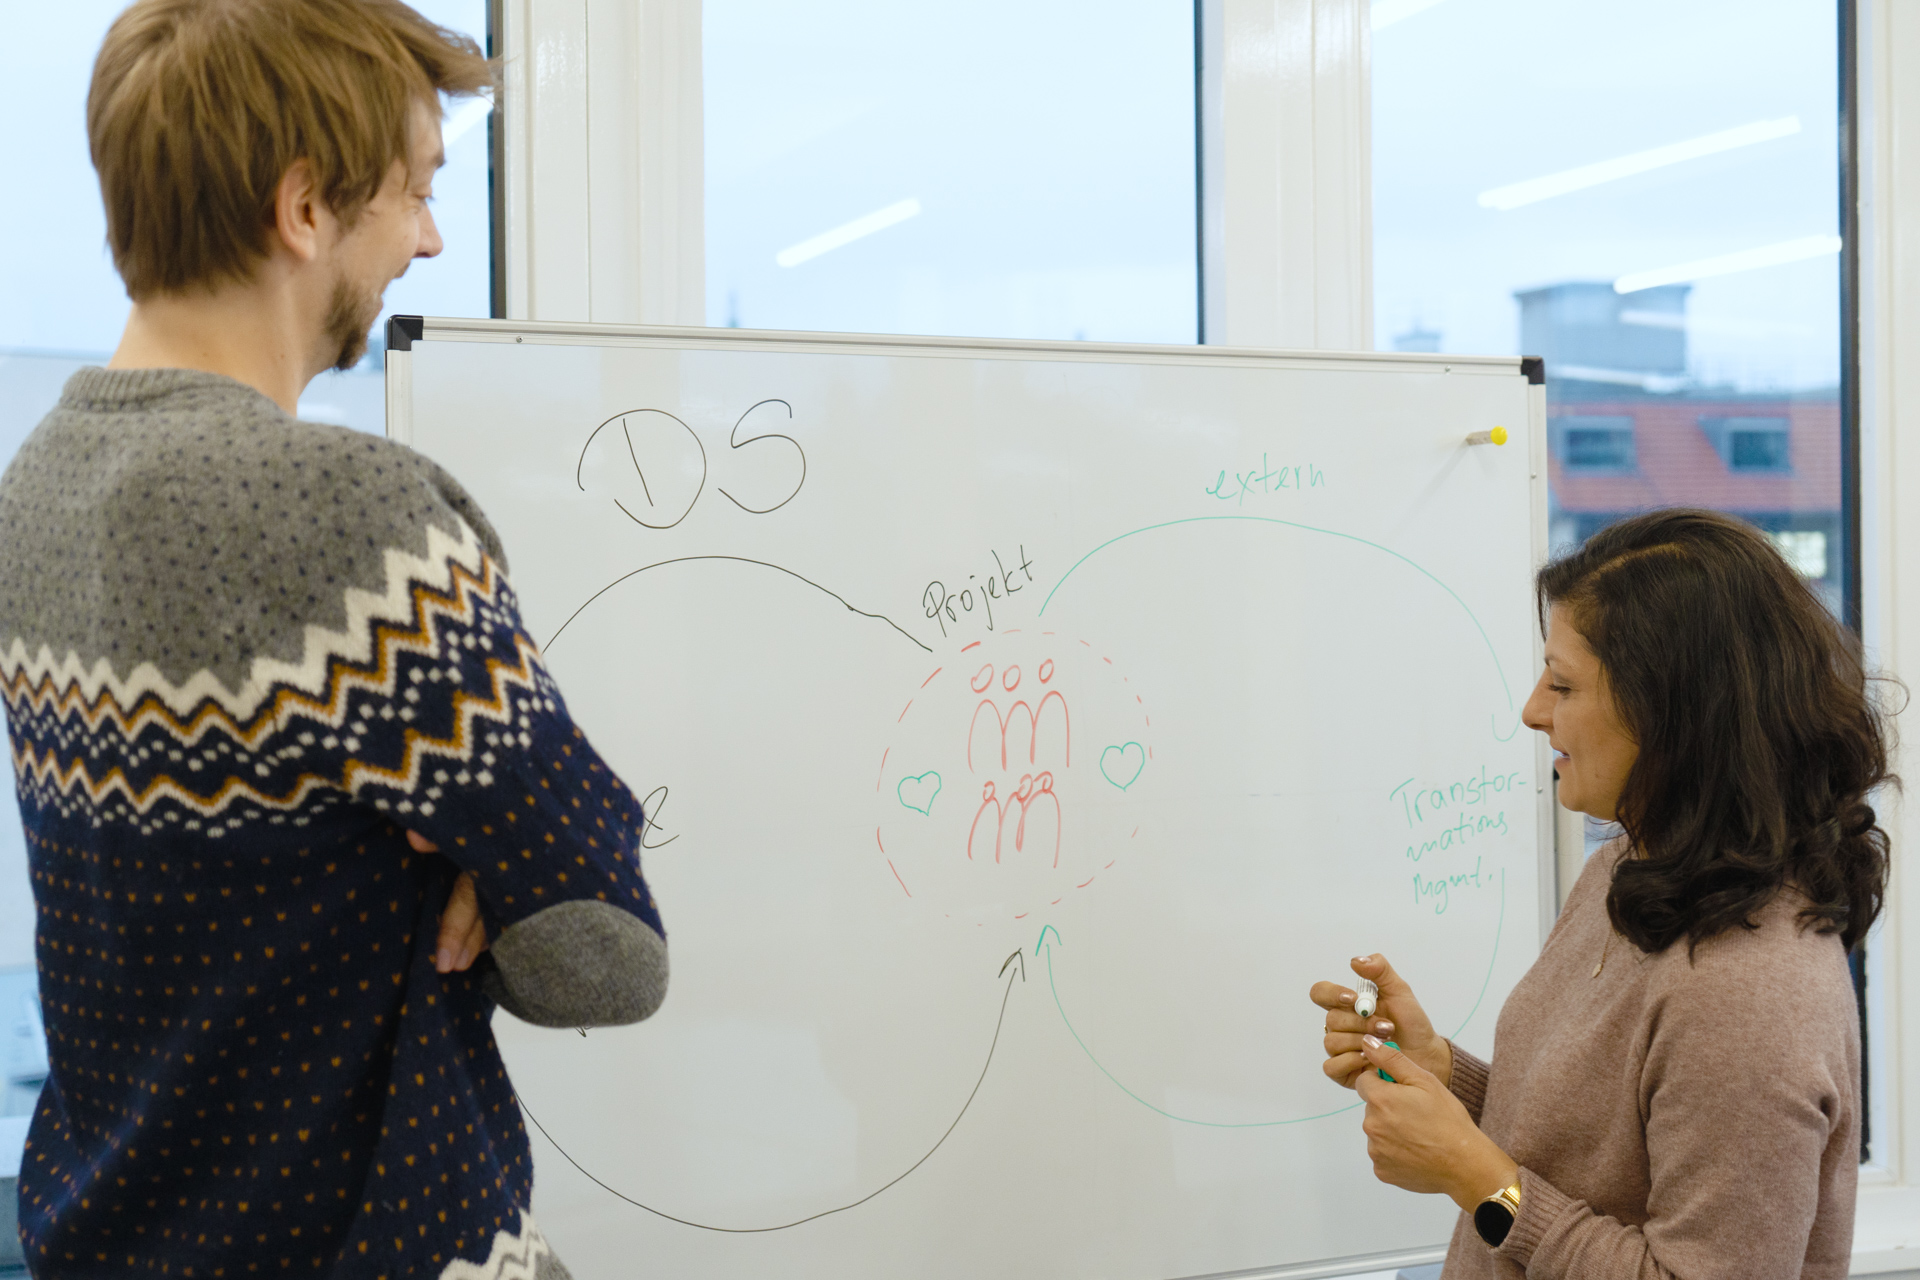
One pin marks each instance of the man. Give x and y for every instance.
(286, 756)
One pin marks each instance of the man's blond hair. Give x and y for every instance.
(199, 107)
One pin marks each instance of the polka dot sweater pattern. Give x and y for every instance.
(242, 656)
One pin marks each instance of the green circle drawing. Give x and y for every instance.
(1042, 946)
(1499, 670)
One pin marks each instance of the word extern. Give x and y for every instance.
(944, 605)
(1265, 479)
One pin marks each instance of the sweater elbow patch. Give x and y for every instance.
(579, 964)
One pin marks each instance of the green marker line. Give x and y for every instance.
(1331, 533)
(1498, 921)
(1211, 1124)
(1040, 944)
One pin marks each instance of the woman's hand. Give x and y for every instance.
(1420, 1137)
(1399, 1019)
(463, 934)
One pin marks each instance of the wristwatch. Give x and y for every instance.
(1493, 1217)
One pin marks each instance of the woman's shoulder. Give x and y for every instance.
(1776, 966)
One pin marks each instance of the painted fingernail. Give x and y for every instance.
(1346, 997)
(1361, 959)
(1384, 1028)
(1372, 1042)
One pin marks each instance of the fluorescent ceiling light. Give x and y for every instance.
(1731, 328)
(1387, 12)
(847, 233)
(1658, 383)
(1592, 175)
(1771, 255)
(469, 115)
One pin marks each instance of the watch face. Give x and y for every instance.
(1492, 1219)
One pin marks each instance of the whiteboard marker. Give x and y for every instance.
(1496, 436)
(1366, 998)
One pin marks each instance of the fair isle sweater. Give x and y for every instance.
(242, 655)
(1673, 1117)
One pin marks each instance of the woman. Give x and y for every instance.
(1675, 1084)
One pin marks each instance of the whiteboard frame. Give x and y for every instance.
(404, 331)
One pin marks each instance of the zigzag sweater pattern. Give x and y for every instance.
(242, 656)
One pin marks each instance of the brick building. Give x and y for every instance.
(1628, 429)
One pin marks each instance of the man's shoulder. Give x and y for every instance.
(184, 519)
(156, 447)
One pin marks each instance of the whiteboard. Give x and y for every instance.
(1026, 727)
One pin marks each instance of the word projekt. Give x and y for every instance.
(945, 606)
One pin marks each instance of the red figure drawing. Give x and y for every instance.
(1007, 852)
(1034, 720)
(1031, 791)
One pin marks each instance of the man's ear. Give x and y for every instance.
(299, 211)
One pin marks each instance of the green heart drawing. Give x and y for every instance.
(921, 799)
(1122, 765)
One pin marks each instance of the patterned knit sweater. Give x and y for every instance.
(242, 655)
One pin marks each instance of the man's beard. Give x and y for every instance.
(350, 314)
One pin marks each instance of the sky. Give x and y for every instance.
(1474, 95)
(58, 290)
(1044, 187)
(1039, 167)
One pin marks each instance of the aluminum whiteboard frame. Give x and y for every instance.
(401, 336)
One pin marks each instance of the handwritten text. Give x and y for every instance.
(1265, 479)
(944, 605)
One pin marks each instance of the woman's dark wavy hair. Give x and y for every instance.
(1759, 738)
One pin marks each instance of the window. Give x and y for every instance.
(1594, 444)
(62, 305)
(1005, 168)
(1750, 444)
(1646, 194)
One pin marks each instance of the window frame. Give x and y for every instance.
(598, 215)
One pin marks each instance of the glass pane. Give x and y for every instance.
(1010, 168)
(62, 305)
(459, 282)
(1646, 193)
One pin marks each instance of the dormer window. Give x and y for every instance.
(1750, 444)
(1595, 445)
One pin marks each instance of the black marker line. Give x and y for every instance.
(743, 560)
(581, 463)
(626, 431)
(1021, 974)
(772, 435)
(650, 821)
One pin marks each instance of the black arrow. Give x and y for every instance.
(1001, 1021)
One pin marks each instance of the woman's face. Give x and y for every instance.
(1592, 751)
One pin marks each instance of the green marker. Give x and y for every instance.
(1383, 1075)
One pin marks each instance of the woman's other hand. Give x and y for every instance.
(1399, 1019)
(463, 934)
(1420, 1137)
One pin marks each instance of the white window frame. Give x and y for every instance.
(604, 187)
(1887, 1231)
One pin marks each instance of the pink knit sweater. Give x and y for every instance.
(1672, 1118)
